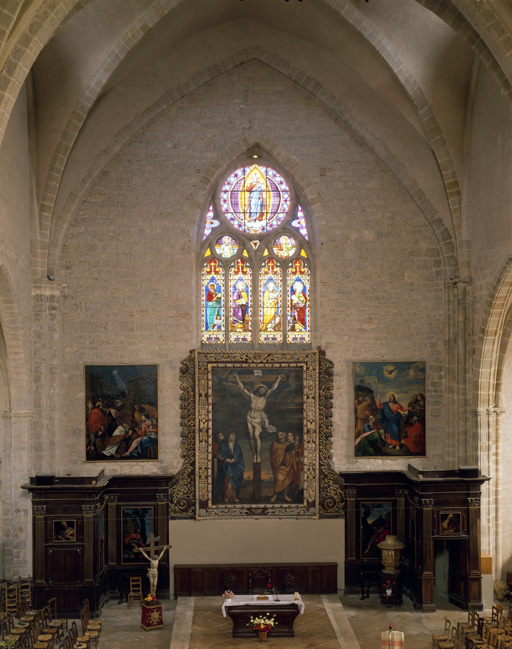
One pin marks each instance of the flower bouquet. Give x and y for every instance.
(262, 624)
(150, 598)
(388, 588)
(228, 594)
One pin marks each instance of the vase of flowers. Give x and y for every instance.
(228, 594)
(263, 624)
(150, 599)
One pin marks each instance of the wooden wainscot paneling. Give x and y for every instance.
(195, 580)
(429, 511)
(77, 551)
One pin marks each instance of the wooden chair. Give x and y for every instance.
(451, 643)
(12, 599)
(77, 641)
(45, 634)
(35, 633)
(25, 586)
(482, 640)
(470, 625)
(55, 621)
(258, 580)
(441, 637)
(135, 593)
(494, 619)
(90, 634)
(94, 624)
(504, 642)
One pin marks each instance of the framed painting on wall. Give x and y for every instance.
(137, 525)
(389, 409)
(257, 448)
(376, 524)
(450, 523)
(121, 413)
(64, 531)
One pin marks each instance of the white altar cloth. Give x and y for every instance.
(252, 600)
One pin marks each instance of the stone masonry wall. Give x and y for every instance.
(129, 268)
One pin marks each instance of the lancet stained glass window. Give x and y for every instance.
(212, 284)
(256, 263)
(270, 303)
(298, 285)
(240, 291)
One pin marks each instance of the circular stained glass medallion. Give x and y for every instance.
(284, 246)
(255, 199)
(226, 246)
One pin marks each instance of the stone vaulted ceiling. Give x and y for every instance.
(400, 73)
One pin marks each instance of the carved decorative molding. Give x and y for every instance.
(190, 491)
(474, 503)
(350, 494)
(427, 503)
(39, 510)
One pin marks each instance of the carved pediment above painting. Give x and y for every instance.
(256, 437)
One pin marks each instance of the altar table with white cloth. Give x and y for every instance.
(241, 608)
(242, 600)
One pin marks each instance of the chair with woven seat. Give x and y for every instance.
(440, 637)
(77, 641)
(94, 624)
(55, 622)
(12, 599)
(135, 594)
(451, 643)
(481, 641)
(469, 626)
(90, 634)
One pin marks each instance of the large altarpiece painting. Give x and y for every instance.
(256, 437)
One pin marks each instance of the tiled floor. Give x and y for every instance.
(329, 622)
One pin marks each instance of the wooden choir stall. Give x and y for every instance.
(85, 533)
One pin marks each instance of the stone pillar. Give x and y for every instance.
(16, 516)
(46, 297)
(464, 450)
(495, 417)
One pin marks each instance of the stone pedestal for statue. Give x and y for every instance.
(151, 616)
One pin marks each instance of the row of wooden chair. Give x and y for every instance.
(91, 628)
(14, 594)
(477, 632)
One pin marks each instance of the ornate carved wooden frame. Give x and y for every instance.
(190, 490)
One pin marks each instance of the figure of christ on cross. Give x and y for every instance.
(256, 417)
(153, 559)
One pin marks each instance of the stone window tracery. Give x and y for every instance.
(256, 259)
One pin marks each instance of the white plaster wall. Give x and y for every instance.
(257, 541)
